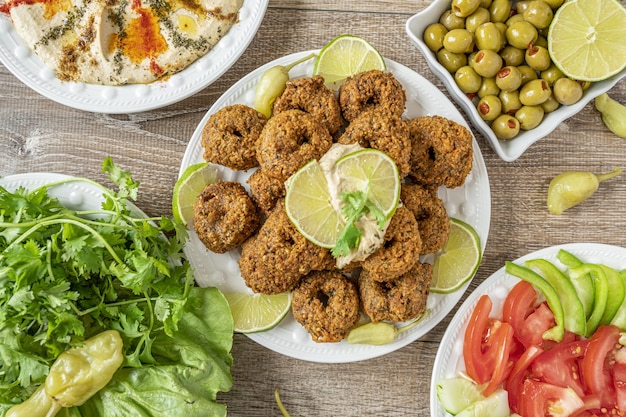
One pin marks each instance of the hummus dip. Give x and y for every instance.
(117, 42)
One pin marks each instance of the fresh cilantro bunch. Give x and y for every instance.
(66, 275)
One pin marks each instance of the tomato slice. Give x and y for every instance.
(477, 327)
(520, 371)
(498, 353)
(540, 399)
(619, 383)
(596, 373)
(518, 304)
(559, 365)
(535, 326)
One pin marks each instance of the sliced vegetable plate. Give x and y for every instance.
(449, 361)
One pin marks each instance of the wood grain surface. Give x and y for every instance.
(37, 134)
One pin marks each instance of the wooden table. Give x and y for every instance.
(37, 134)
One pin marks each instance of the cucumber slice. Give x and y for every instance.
(456, 394)
(495, 405)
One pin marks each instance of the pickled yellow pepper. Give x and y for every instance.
(75, 376)
(571, 188)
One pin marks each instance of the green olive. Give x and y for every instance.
(473, 21)
(487, 63)
(539, 13)
(551, 74)
(584, 84)
(505, 127)
(488, 87)
(538, 58)
(521, 6)
(464, 8)
(509, 78)
(489, 107)
(500, 10)
(554, 4)
(510, 101)
(567, 91)
(550, 104)
(451, 61)
(433, 36)
(534, 92)
(488, 36)
(459, 41)
(527, 73)
(521, 34)
(467, 79)
(529, 117)
(541, 40)
(485, 3)
(515, 18)
(512, 56)
(451, 21)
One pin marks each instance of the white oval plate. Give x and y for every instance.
(471, 203)
(25, 65)
(449, 359)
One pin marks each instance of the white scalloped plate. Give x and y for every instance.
(471, 203)
(449, 359)
(25, 65)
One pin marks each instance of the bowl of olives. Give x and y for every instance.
(492, 56)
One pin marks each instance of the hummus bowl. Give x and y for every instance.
(508, 150)
(28, 68)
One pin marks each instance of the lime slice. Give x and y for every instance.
(374, 171)
(458, 261)
(257, 312)
(308, 205)
(586, 39)
(187, 188)
(347, 55)
(456, 394)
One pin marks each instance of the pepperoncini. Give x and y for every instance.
(272, 84)
(75, 376)
(571, 188)
(613, 114)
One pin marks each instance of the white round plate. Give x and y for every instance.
(25, 65)
(449, 359)
(471, 203)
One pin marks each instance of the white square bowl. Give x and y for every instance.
(508, 150)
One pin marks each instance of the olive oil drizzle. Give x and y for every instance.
(68, 24)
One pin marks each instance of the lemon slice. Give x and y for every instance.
(586, 39)
(257, 312)
(187, 188)
(308, 205)
(459, 259)
(374, 171)
(347, 55)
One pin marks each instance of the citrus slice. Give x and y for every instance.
(257, 312)
(459, 259)
(187, 188)
(308, 205)
(374, 171)
(456, 394)
(586, 39)
(347, 55)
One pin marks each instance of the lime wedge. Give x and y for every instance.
(347, 55)
(257, 312)
(456, 394)
(459, 259)
(308, 205)
(374, 171)
(187, 188)
(586, 39)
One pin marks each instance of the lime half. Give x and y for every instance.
(187, 188)
(459, 259)
(257, 312)
(586, 39)
(347, 55)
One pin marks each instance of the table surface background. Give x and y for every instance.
(37, 134)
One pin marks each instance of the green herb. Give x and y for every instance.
(356, 205)
(66, 275)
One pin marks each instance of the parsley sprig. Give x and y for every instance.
(66, 275)
(356, 204)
